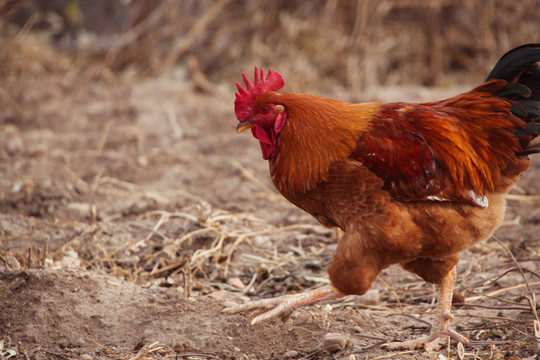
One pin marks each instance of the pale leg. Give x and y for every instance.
(441, 329)
(284, 305)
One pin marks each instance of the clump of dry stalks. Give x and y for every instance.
(212, 247)
(319, 44)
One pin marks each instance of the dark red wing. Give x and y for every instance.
(453, 149)
(396, 151)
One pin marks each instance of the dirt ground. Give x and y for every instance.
(131, 214)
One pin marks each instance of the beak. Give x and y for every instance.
(243, 126)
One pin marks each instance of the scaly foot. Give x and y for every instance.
(430, 343)
(440, 331)
(283, 306)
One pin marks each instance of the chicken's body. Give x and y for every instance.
(409, 184)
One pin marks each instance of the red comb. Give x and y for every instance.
(245, 97)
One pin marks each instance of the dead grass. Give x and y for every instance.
(318, 44)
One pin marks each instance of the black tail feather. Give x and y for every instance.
(520, 68)
(515, 62)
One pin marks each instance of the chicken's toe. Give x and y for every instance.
(283, 306)
(430, 343)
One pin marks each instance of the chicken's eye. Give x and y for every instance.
(265, 109)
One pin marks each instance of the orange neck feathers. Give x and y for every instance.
(318, 131)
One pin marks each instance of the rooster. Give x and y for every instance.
(409, 184)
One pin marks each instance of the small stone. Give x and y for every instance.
(142, 160)
(262, 242)
(290, 354)
(302, 317)
(14, 145)
(229, 304)
(35, 150)
(11, 139)
(220, 294)
(70, 260)
(333, 342)
(371, 297)
(458, 298)
(236, 282)
(79, 209)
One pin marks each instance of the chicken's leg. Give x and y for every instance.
(284, 305)
(441, 329)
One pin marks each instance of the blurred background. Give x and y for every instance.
(323, 45)
(119, 155)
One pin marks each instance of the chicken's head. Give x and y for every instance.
(256, 108)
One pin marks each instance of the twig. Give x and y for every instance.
(103, 136)
(45, 250)
(251, 283)
(199, 79)
(515, 262)
(371, 337)
(489, 281)
(195, 354)
(497, 318)
(536, 338)
(201, 254)
(104, 347)
(187, 280)
(143, 226)
(412, 317)
(392, 291)
(164, 218)
(531, 300)
(124, 41)
(61, 356)
(170, 215)
(10, 102)
(191, 234)
(189, 38)
(530, 199)
(156, 272)
(393, 355)
(176, 129)
(148, 349)
(243, 237)
(248, 174)
(528, 285)
(489, 307)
